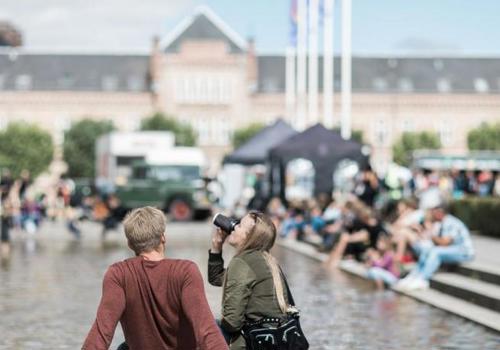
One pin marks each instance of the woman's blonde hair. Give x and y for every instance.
(262, 237)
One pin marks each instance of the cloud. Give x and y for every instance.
(5, 15)
(89, 24)
(54, 14)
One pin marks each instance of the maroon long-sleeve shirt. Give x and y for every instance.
(160, 305)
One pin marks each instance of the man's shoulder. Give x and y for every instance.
(453, 220)
(455, 225)
(180, 263)
(181, 267)
(121, 264)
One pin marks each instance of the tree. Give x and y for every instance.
(184, 134)
(484, 137)
(79, 146)
(410, 141)
(242, 135)
(10, 35)
(25, 146)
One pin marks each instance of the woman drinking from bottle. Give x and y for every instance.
(252, 282)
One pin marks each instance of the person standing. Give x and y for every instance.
(159, 302)
(25, 183)
(6, 211)
(367, 188)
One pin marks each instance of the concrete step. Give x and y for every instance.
(480, 271)
(457, 306)
(478, 292)
(466, 309)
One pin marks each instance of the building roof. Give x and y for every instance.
(73, 72)
(204, 24)
(120, 72)
(398, 74)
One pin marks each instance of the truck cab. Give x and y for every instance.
(173, 184)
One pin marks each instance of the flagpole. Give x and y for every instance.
(290, 85)
(301, 63)
(313, 62)
(328, 65)
(346, 70)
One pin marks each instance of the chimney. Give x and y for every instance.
(251, 66)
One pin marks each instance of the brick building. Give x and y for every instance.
(207, 75)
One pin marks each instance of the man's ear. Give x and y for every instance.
(163, 239)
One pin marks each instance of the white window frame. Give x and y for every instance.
(444, 129)
(408, 125)
(381, 132)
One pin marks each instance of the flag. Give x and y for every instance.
(293, 23)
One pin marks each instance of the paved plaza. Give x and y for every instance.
(50, 289)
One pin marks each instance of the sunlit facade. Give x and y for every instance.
(205, 74)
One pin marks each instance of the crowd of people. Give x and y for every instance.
(19, 208)
(23, 210)
(402, 239)
(454, 183)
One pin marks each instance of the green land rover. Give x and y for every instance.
(177, 189)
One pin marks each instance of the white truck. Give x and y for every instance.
(117, 151)
(146, 169)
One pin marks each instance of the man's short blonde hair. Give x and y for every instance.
(144, 228)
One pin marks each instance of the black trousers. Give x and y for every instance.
(123, 346)
(5, 228)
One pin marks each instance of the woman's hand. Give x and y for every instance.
(218, 238)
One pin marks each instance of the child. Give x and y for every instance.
(383, 269)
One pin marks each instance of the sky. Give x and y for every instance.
(380, 27)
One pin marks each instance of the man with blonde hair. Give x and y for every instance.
(159, 302)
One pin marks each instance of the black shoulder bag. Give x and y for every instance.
(270, 333)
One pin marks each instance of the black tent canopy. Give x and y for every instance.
(324, 148)
(255, 150)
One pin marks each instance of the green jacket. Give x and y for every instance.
(248, 291)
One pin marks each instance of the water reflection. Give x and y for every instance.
(344, 312)
(49, 296)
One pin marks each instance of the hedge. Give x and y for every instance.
(479, 214)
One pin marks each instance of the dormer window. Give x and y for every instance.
(438, 65)
(443, 85)
(405, 85)
(481, 85)
(109, 83)
(24, 82)
(66, 82)
(380, 84)
(135, 83)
